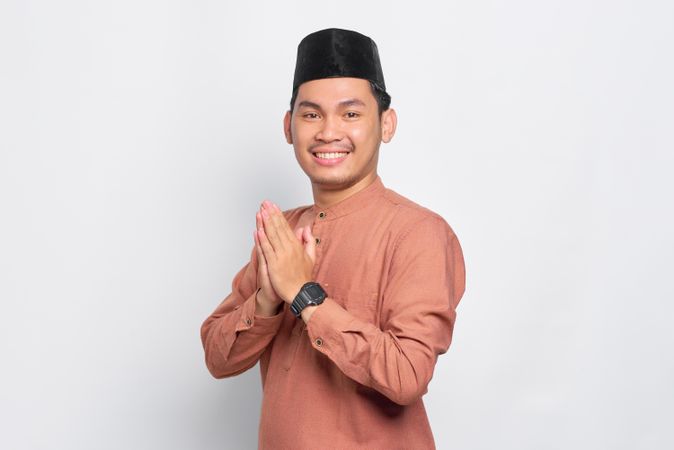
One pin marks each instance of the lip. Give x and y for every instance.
(329, 162)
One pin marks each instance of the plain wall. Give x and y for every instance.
(139, 137)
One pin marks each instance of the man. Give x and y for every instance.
(348, 302)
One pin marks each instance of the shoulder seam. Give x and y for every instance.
(406, 233)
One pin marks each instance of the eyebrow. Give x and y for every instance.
(348, 102)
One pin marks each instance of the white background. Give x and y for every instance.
(138, 138)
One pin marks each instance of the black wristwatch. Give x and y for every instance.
(311, 294)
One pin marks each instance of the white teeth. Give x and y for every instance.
(330, 155)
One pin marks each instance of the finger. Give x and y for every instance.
(310, 245)
(298, 233)
(267, 248)
(260, 226)
(282, 224)
(263, 216)
(271, 230)
(260, 254)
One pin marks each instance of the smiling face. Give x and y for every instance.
(336, 131)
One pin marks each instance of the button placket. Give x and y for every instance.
(317, 230)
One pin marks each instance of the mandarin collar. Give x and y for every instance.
(350, 204)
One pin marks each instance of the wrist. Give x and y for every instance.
(264, 307)
(309, 296)
(292, 293)
(308, 312)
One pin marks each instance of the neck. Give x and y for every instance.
(326, 197)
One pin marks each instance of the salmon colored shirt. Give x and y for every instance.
(352, 377)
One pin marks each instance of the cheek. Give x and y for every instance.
(303, 133)
(363, 133)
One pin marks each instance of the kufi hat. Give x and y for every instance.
(335, 52)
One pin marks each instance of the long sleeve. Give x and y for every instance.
(425, 283)
(234, 337)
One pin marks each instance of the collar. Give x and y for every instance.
(365, 196)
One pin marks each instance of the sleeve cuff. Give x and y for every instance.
(255, 324)
(326, 323)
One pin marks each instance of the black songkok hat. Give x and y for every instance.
(335, 52)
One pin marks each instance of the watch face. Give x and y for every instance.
(314, 291)
(310, 294)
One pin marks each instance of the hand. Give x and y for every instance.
(289, 255)
(267, 298)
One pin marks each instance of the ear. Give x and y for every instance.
(389, 121)
(286, 127)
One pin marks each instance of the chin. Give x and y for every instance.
(334, 179)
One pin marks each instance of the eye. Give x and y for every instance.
(352, 115)
(310, 115)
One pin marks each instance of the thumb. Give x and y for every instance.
(309, 242)
(298, 233)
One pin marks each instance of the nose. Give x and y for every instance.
(330, 130)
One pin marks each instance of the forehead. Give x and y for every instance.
(327, 91)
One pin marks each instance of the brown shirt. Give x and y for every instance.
(354, 375)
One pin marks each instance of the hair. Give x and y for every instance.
(383, 99)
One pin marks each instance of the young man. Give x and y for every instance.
(346, 303)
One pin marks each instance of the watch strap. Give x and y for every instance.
(311, 293)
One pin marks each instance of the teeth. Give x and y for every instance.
(330, 155)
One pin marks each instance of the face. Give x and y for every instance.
(337, 115)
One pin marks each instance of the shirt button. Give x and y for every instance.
(319, 342)
(322, 214)
(248, 321)
(318, 240)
